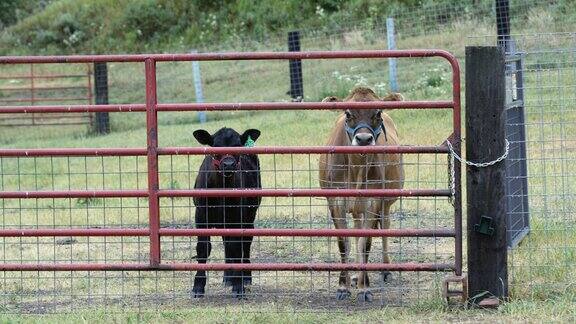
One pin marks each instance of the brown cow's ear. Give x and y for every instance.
(331, 99)
(203, 137)
(394, 96)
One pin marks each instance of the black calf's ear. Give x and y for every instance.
(203, 137)
(252, 133)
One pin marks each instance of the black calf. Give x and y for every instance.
(227, 171)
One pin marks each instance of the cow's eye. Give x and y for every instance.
(349, 115)
(378, 115)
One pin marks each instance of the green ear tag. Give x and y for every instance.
(249, 142)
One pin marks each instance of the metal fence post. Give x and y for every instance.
(392, 61)
(102, 119)
(296, 84)
(518, 218)
(503, 23)
(198, 88)
(486, 198)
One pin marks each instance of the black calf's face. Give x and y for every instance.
(226, 137)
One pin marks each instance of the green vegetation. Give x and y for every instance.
(557, 310)
(88, 26)
(108, 26)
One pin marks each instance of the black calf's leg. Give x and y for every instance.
(228, 274)
(246, 246)
(234, 247)
(203, 249)
(246, 242)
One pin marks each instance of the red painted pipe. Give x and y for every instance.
(74, 194)
(303, 193)
(37, 99)
(223, 150)
(38, 232)
(306, 105)
(43, 76)
(41, 88)
(264, 232)
(72, 108)
(72, 152)
(228, 266)
(151, 59)
(232, 106)
(321, 232)
(228, 56)
(227, 193)
(303, 150)
(152, 158)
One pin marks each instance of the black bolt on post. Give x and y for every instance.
(503, 23)
(486, 197)
(296, 84)
(102, 119)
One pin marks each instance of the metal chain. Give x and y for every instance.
(453, 156)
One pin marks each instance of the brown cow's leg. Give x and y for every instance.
(338, 214)
(370, 221)
(385, 224)
(358, 224)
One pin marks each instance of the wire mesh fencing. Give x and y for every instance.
(42, 291)
(549, 76)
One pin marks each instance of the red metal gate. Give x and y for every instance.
(42, 88)
(153, 151)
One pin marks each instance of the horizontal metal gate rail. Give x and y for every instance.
(33, 94)
(154, 192)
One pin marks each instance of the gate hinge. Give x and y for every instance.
(485, 226)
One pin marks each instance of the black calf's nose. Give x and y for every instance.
(364, 138)
(228, 164)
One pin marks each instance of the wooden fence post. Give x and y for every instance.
(486, 198)
(296, 80)
(102, 119)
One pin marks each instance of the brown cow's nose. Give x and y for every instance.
(364, 139)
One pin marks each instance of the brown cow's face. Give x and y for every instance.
(363, 126)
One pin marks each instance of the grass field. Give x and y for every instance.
(542, 268)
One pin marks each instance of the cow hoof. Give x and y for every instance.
(386, 276)
(365, 296)
(198, 292)
(354, 282)
(343, 294)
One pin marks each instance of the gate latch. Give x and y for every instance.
(485, 226)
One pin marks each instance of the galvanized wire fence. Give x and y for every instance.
(549, 81)
(39, 292)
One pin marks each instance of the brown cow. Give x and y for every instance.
(361, 127)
